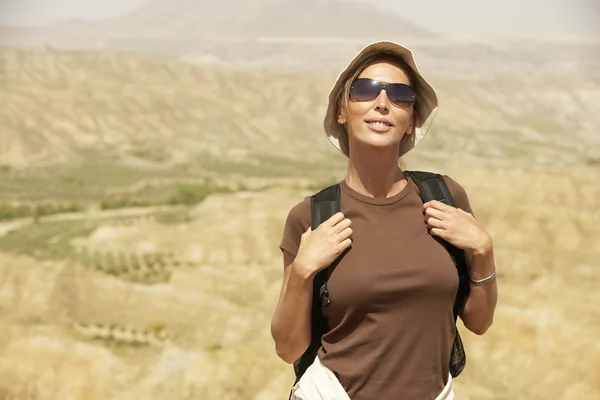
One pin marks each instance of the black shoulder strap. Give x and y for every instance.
(323, 205)
(433, 187)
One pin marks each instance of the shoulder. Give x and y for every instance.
(300, 213)
(459, 193)
(297, 222)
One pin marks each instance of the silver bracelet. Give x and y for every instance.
(479, 282)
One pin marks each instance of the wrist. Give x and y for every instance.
(482, 281)
(303, 272)
(482, 265)
(484, 248)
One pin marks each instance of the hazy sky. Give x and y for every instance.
(492, 18)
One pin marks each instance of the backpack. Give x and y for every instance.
(326, 203)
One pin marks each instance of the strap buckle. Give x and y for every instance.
(324, 294)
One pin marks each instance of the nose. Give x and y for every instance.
(382, 102)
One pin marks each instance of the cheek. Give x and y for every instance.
(357, 111)
(404, 117)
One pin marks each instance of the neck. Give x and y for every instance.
(375, 172)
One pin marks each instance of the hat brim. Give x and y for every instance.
(426, 97)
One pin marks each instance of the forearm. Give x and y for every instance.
(291, 323)
(478, 313)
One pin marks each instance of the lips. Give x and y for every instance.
(379, 124)
(381, 120)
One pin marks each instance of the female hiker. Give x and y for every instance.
(390, 319)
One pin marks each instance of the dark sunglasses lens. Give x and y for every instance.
(365, 89)
(402, 95)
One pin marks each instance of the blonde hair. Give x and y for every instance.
(343, 96)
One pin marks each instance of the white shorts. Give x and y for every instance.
(320, 383)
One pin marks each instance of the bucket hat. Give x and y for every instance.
(426, 105)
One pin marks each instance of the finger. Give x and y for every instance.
(343, 224)
(438, 205)
(439, 232)
(346, 233)
(434, 212)
(344, 244)
(334, 219)
(435, 222)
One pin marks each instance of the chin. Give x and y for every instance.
(379, 145)
(379, 140)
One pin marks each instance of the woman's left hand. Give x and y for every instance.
(457, 227)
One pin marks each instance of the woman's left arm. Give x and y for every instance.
(478, 313)
(462, 230)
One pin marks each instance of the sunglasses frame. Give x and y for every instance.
(384, 86)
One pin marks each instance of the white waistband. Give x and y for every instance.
(320, 383)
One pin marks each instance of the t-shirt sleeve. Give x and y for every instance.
(297, 222)
(459, 194)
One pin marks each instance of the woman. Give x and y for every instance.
(391, 320)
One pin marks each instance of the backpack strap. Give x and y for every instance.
(433, 187)
(323, 205)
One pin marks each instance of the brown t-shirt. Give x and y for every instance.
(392, 294)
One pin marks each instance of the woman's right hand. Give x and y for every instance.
(319, 248)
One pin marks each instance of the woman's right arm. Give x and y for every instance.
(291, 322)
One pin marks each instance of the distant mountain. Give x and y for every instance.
(296, 34)
(300, 34)
(260, 18)
(179, 23)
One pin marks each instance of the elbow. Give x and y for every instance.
(285, 354)
(288, 350)
(284, 348)
(481, 328)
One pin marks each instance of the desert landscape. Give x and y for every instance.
(146, 174)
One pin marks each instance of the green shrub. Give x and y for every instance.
(8, 212)
(112, 204)
(190, 194)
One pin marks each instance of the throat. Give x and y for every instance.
(377, 186)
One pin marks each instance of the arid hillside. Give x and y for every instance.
(176, 303)
(142, 201)
(62, 106)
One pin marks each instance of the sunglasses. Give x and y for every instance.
(365, 89)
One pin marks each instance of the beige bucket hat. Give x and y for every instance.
(427, 102)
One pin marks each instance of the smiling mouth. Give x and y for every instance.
(379, 126)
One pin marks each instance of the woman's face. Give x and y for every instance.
(378, 122)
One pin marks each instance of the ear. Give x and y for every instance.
(411, 127)
(341, 118)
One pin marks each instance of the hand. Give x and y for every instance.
(457, 227)
(319, 248)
